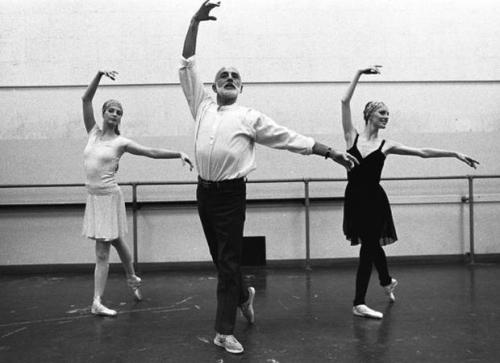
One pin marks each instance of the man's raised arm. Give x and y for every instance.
(191, 84)
(202, 14)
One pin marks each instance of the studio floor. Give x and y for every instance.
(443, 313)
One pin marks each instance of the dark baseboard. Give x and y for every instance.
(270, 264)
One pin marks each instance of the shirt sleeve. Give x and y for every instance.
(193, 88)
(269, 133)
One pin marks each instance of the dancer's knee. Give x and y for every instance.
(102, 252)
(117, 243)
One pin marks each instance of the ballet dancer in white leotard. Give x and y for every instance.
(105, 219)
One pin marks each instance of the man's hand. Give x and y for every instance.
(186, 161)
(203, 12)
(344, 159)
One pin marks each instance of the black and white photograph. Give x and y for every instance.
(265, 181)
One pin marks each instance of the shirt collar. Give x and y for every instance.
(226, 107)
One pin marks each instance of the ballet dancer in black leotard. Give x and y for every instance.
(367, 213)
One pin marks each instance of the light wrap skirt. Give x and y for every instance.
(105, 217)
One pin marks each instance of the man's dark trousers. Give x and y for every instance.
(221, 207)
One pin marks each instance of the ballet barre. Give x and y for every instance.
(135, 204)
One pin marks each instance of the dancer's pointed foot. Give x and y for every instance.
(389, 290)
(247, 307)
(135, 282)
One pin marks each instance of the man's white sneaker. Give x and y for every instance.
(389, 290)
(229, 343)
(100, 309)
(366, 312)
(247, 307)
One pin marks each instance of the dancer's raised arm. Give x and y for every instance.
(191, 84)
(349, 129)
(88, 96)
(202, 14)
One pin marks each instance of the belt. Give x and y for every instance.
(221, 183)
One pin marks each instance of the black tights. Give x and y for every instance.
(370, 253)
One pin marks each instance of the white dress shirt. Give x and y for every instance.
(225, 136)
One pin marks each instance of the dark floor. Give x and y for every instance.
(443, 313)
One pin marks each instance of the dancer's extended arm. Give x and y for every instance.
(400, 149)
(156, 153)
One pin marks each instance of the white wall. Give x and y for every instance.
(47, 147)
(53, 42)
(440, 80)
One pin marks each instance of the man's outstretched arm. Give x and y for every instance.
(269, 133)
(202, 14)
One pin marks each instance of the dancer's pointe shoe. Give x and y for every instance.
(100, 309)
(389, 290)
(135, 282)
(366, 312)
(247, 307)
